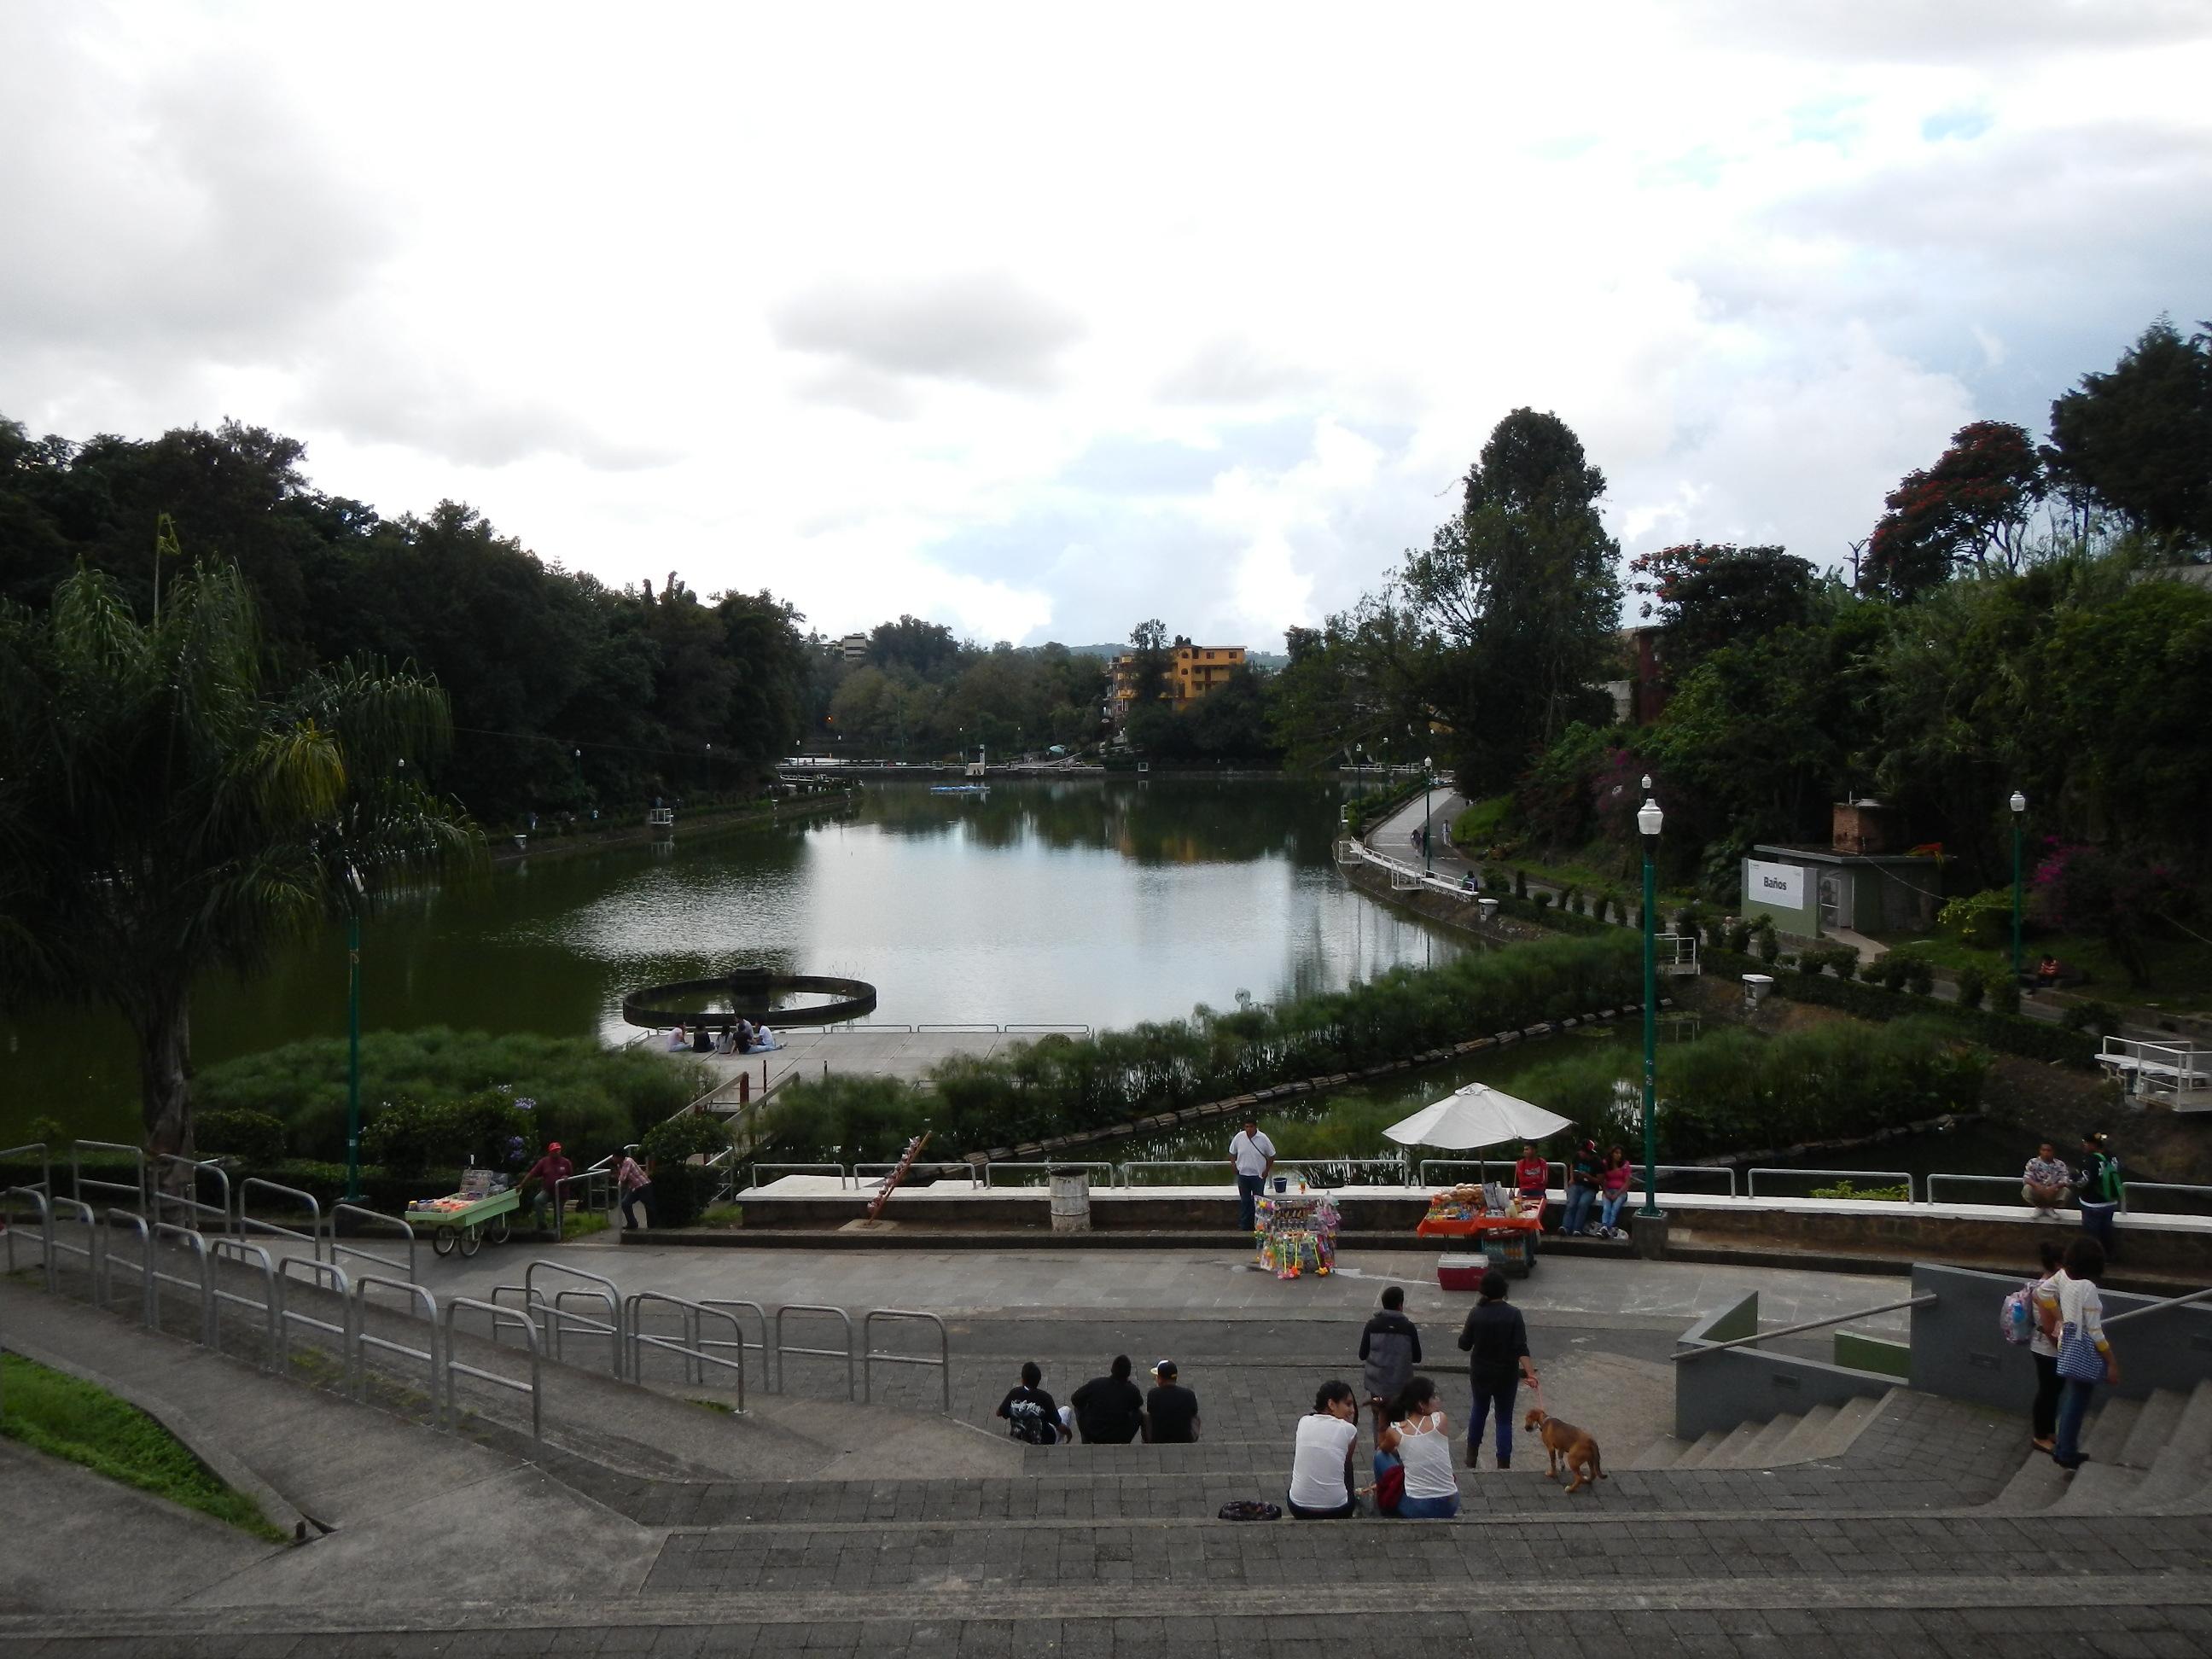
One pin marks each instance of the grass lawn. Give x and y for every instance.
(2180, 970)
(65, 1417)
(582, 1224)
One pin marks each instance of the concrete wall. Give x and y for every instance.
(1958, 1349)
(1748, 1385)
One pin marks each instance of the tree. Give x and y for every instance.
(161, 818)
(1972, 508)
(1148, 672)
(1519, 599)
(1709, 597)
(2138, 440)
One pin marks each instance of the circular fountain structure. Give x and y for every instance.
(759, 994)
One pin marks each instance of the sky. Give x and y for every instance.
(1041, 320)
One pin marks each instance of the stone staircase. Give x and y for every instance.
(1822, 1433)
(2145, 1457)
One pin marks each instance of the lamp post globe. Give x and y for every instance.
(2019, 805)
(1650, 820)
(1428, 778)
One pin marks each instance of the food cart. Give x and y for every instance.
(1503, 1228)
(1295, 1233)
(1503, 1225)
(463, 1220)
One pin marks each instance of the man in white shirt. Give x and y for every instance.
(1254, 1155)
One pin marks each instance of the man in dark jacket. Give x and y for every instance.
(1390, 1348)
(1108, 1410)
(1498, 1363)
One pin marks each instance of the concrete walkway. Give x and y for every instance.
(856, 1050)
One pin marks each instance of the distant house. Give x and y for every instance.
(1859, 882)
(854, 648)
(1192, 671)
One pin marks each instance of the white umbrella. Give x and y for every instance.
(1477, 1115)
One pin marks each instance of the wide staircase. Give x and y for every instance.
(654, 1516)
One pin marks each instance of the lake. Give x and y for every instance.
(1077, 901)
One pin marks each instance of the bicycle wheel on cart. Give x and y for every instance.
(497, 1231)
(443, 1240)
(471, 1240)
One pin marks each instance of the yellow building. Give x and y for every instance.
(1193, 670)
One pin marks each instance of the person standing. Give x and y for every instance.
(1496, 1341)
(2098, 1190)
(1320, 1459)
(2085, 1356)
(1254, 1155)
(1390, 1348)
(2042, 1349)
(635, 1186)
(1030, 1415)
(1108, 1410)
(548, 1173)
(1170, 1409)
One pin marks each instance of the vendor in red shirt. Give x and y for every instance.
(548, 1173)
(1530, 1177)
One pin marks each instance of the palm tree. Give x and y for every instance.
(162, 816)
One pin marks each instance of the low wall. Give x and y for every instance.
(1959, 1351)
(1920, 1229)
(1718, 1391)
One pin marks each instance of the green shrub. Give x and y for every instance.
(2004, 995)
(255, 1138)
(1738, 938)
(408, 1137)
(1920, 976)
(1894, 1194)
(1767, 945)
(1895, 970)
(1974, 986)
(2091, 1016)
(1982, 920)
(1994, 1028)
(1543, 901)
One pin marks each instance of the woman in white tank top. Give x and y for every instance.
(1424, 1448)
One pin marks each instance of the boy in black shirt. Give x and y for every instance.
(1031, 1416)
(1108, 1410)
(1170, 1410)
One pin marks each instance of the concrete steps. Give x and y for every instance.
(2144, 1455)
(1824, 1432)
(2182, 1474)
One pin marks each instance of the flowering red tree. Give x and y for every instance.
(2087, 890)
(1706, 596)
(1972, 508)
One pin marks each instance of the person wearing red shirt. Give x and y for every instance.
(549, 1172)
(1531, 1176)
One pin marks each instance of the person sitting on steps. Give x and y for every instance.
(2045, 1182)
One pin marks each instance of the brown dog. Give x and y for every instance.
(1568, 1446)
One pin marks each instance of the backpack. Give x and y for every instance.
(2016, 1318)
(1248, 1509)
(1390, 1487)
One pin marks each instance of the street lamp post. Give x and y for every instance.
(2019, 805)
(1428, 861)
(1649, 821)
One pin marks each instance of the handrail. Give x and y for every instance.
(869, 1356)
(845, 1352)
(45, 1161)
(79, 1180)
(2013, 1181)
(1174, 1164)
(362, 1341)
(605, 1290)
(90, 1249)
(272, 1298)
(692, 1346)
(318, 1274)
(2159, 1307)
(1870, 1176)
(45, 1232)
(1047, 1164)
(453, 1368)
(594, 1178)
(149, 1312)
(406, 1231)
(759, 1313)
(1920, 1301)
(311, 1238)
(205, 1283)
(837, 1170)
(192, 1205)
(2129, 1187)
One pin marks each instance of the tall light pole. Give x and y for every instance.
(2019, 805)
(1649, 822)
(1428, 861)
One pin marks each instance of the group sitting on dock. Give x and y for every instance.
(742, 1036)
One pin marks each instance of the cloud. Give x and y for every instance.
(1229, 370)
(982, 327)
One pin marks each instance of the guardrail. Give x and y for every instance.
(46, 1229)
(1871, 1178)
(1129, 1169)
(455, 1368)
(362, 1341)
(721, 1303)
(692, 1346)
(79, 1180)
(190, 1201)
(55, 1246)
(2131, 1188)
(312, 1238)
(870, 1355)
(991, 1170)
(845, 1353)
(375, 1218)
(45, 1183)
(103, 1275)
(558, 1318)
(272, 1302)
(319, 1275)
(2011, 1182)
(596, 1183)
(204, 1284)
(844, 1178)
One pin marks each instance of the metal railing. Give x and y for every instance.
(374, 1218)
(2171, 1302)
(991, 1170)
(104, 1273)
(557, 1318)
(844, 1178)
(319, 1275)
(845, 1353)
(312, 1238)
(46, 1229)
(1872, 1177)
(46, 1182)
(691, 1346)
(56, 1246)
(1757, 1337)
(1934, 1181)
(457, 1367)
(1129, 1169)
(115, 1190)
(596, 1184)
(727, 1303)
(204, 1284)
(272, 1298)
(870, 1355)
(2129, 1189)
(362, 1341)
(197, 1210)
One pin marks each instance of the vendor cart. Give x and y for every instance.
(464, 1220)
(1295, 1233)
(1507, 1238)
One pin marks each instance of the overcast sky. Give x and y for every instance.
(1044, 319)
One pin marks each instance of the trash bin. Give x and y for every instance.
(1071, 1200)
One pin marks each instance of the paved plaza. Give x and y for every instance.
(816, 1525)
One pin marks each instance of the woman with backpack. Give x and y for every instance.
(1428, 1485)
(2042, 1304)
(2085, 1356)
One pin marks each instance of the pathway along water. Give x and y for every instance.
(1083, 900)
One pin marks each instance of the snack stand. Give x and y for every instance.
(1502, 1226)
(1295, 1233)
(465, 1219)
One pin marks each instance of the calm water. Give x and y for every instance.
(1080, 901)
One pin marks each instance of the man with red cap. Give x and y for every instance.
(548, 1173)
